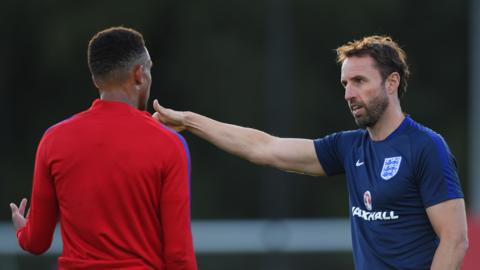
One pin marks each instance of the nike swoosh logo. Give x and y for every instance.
(359, 163)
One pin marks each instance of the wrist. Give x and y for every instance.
(187, 120)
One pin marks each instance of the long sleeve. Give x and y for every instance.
(36, 236)
(175, 211)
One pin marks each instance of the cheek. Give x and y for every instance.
(371, 92)
(149, 79)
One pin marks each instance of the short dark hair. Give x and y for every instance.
(387, 54)
(113, 49)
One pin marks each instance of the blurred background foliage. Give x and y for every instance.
(214, 57)
(211, 57)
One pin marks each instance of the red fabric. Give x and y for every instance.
(119, 184)
(472, 258)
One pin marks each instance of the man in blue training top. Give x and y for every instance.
(406, 204)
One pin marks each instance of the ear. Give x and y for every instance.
(138, 74)
(95, 82)
(393, 82)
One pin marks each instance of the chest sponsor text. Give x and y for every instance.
(375, 215)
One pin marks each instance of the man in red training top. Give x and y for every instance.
(116, 179)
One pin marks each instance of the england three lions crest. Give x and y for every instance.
(390, 167)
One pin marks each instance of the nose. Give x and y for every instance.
(350, 92)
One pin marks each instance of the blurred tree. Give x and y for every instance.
(211, 57)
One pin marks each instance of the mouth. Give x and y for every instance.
(355, 109)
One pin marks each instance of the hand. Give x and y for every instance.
(172, 119)
(18, 218)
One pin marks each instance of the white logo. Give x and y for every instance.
(372, 216)
(367, 200)
(358, 164)
(390, 167)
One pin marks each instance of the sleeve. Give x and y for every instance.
(329, 153)
(175, 211)
(437, 173)
(36, 237)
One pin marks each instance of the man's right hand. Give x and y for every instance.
(173, 119)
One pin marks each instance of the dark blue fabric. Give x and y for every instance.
(390, 184)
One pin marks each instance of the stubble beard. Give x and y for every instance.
(373, 111)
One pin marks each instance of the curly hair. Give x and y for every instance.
(114, 49)
(388, 55)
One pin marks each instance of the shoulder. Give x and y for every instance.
(425, 138)
(345, 137)
(173, 144)
(340, 142)
(55, 132)
(62, 125)
(164, 133)
(353, 135)
(428, 146)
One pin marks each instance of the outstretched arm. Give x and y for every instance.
(296, 155)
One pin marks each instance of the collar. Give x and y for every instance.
(407, 121)
(117, 106)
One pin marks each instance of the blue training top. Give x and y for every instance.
(390, 184)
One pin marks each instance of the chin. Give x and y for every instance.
(360, 122)
(364, 122)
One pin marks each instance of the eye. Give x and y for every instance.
(359, 80)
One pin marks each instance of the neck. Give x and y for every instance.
(120, 96)
(386, 124)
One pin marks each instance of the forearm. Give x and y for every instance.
(178, 242)
(244, 142)
(289, 154)
(449, 255)
(175, 212)
(36, 237)
(449, 220)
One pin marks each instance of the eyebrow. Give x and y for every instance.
(356, 77)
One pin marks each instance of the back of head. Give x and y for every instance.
(113, 51)
(387, 54)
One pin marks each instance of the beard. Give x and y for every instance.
(373, 110)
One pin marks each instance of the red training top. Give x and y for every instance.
(118, 181)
